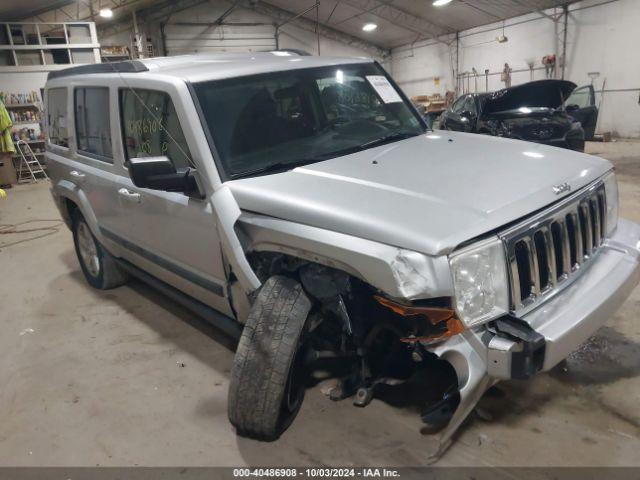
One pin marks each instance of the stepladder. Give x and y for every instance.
(29, 167)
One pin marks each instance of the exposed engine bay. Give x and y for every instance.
(369, 343)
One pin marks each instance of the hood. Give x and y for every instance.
(542, 93)
(429, 193)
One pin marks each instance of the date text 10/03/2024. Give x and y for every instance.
(316, 473)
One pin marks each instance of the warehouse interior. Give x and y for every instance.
(128, 377)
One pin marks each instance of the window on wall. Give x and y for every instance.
(151, 128)
(57, 116)
(93, 130)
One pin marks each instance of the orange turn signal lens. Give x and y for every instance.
(435, 316)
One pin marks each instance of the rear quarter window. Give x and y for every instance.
(57, 128)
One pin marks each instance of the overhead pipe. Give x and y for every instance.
(280, 25)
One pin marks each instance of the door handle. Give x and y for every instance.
(77, 175)
(129, 196)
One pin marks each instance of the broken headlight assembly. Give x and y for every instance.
(480, 284)
(611, 192)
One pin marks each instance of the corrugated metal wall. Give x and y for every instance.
(186, 38)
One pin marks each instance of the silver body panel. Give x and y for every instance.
(566, 321)
(429, 193)
(391, 224)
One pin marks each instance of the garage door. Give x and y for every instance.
(183, 39)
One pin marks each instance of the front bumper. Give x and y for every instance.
(573, 139)
(569, 319)
(566, 321)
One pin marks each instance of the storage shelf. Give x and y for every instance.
(22, 105)
(35, 122)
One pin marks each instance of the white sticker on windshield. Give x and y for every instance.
(384, 88)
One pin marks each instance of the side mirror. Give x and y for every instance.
(572, 107)
(158, 173)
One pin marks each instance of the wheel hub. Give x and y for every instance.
(88, 250)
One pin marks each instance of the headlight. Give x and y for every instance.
(480, 282)
(505, 129)
(611, 191)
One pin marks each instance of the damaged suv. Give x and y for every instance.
(553, 112)
(301, 204)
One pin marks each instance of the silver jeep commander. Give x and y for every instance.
(301, 204)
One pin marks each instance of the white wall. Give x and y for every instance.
(607, 40)
(600, 38)
(424, 68)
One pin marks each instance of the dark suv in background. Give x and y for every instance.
(553, 112)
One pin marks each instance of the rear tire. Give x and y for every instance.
(99, 267)
(268, 378)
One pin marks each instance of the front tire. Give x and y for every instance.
(99, 267)
(268, 377)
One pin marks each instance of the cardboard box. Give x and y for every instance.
(7, 171)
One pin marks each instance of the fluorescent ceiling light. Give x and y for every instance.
(106, 13)
(369, 27)
(440, 3)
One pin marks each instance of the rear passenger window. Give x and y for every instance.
(93, 130)
(57, 116)
(151, 128)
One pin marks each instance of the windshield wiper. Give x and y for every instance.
(390, 137)
(275, 167)
(289, 165)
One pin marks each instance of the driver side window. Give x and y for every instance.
(458, 106)
(469, 105)
(151, 128)
(582, 97)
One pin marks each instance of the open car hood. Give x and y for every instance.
(541, 93)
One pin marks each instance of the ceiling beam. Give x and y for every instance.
(159, 11)
(37, 12)
(77, 10)
(398, 17)
(281, 15)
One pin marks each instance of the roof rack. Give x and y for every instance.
(127, 66)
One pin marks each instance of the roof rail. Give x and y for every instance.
(295, 51)
(126, 66)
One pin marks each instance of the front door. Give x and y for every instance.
(581, 106)
(171, 235)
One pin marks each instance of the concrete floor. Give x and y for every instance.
(126, 377)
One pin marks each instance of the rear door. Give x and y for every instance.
(79, 126)
(581, 106)
(98, 176)
(170, 235)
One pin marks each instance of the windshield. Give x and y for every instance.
(272, 122)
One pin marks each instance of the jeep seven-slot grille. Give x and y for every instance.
(546, 252)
